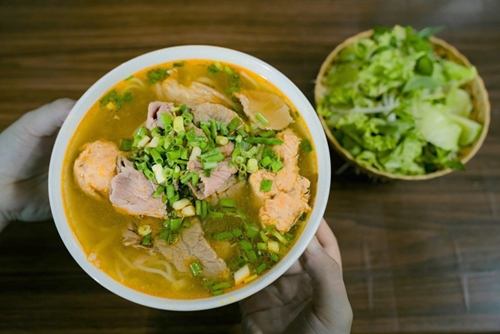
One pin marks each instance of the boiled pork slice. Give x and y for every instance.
(95, 167)
(131, 192)
(270, 106)
(220, 179)
(155, 109)
(190, 247)
(195, 93)
(206, 111)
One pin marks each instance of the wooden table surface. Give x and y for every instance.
(418, 257)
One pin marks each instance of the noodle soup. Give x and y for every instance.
(189, 179)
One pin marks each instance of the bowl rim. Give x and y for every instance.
(382, 174)
(169, 54)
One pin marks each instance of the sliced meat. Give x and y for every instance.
(191, 246)
(95, 167)
(289, 194)
(227, 149)
(155, 109)
(272, 107)
(206, 111)
(232, 191)
(132, 238)
(220, 179)
(196, 93)
(131, 192)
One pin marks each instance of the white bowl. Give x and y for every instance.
(167, 55)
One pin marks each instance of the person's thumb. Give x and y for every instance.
(329, 301)
(46, 120)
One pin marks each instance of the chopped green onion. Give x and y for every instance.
(246, 245)
(214, 158)
(265, 141)
(204, 209)
(126, 145)
(279, 237)
(215, 214)
(273, 246)
(268, 228)
(261, 246)
(186, 177)
(170, 191)
(276, 166)
(223, 285)
(175, 224)
(251, 229)
(233, 124)
(195, 178)
(306, 146)
(215, 151)
(146, 241)
(241, 214)
(164, 234)
(226, 235)
(260, 269)
(209, 164)
(166, 120)
(250, 278)
(262, 119)
(156, 156)
(149, 174)
(178, 124)
(252, 165)
(266, 161)
(266, 185)
(227, 202)
(252, 256)
(217, 292)
(196, 268)
(221, 140)
(267, 134)
(158, 191)
(237, 232)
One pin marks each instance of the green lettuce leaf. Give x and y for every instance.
(397, 106)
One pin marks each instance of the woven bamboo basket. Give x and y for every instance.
(476, 89)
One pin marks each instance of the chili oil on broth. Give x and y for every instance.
(98, 227)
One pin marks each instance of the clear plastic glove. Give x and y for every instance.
(309, 298)
(25, 149)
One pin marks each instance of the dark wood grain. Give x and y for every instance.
(418, 257)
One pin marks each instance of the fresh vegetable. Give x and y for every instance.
(396, 105)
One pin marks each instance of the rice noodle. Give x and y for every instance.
(167, 266)
(127, 262)
(213, 91)
(139, 264)
(138, 81)
(119, 273)
(206, 81)
(159, 91)
(99, 246)
(249, 78)
(156, 271)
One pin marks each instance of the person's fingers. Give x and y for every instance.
(328, 241)
(46, 120)
(330, 299)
